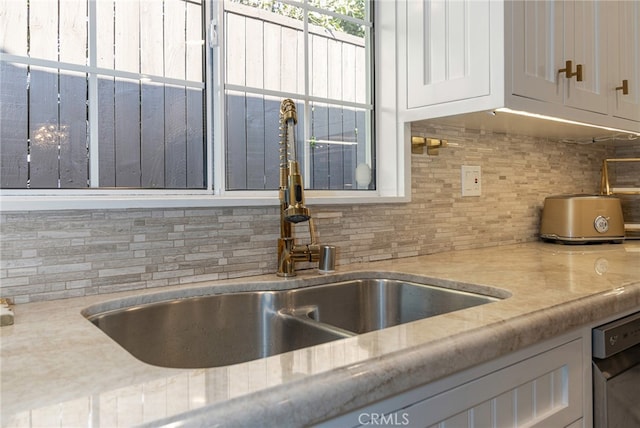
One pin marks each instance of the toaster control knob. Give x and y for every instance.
(601, 224)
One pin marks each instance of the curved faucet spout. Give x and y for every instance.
(292, 207)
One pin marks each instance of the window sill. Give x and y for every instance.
(95, 201)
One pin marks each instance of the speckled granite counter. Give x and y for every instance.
(57, 369)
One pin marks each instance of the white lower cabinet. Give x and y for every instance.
(546, 388)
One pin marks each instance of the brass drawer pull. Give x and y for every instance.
(568, 66)
(624, 88)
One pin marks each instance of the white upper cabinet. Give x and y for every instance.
(447, 51)
(585, 35)
(538, 51)
(556, 58)
(447, 57)
(624, 74)
(559, 53)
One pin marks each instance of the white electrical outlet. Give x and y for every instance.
(471, 181)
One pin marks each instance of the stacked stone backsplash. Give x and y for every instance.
(53, 255)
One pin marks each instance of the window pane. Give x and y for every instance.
(14, 149)
(337, 66)
(150, 126)
(151, 130)
(150, 134)
(269, 10)
(13, 21)
(73, 131)
(338, 145)
(252, 141)
(266, 50)
(351, 8)
(57, 129)
(43, 127)
(119, 113)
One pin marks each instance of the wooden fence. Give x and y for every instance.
(151, 131)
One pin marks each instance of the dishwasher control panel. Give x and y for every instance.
(616, 336)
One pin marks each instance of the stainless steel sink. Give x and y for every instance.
(211, 331)
(231, 328)
(364, 305)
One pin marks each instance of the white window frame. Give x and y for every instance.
(392, 148)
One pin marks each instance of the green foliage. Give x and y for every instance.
(352, 8)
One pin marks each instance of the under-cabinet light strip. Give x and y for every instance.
(556, 119)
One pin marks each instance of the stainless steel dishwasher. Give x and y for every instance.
(616, 373)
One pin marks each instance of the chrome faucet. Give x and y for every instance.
(292, 208)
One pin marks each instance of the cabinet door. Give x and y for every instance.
(543, 391)
(447, 51)
(545, 35)
(537, 49)
(585, 34)
(624, 50)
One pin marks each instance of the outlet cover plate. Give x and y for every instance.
(471, 180)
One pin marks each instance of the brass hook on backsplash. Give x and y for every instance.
(433, 145)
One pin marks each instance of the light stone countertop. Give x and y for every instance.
(57, 369)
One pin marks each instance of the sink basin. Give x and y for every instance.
(230, 328)
(211, 331)
(365, 305)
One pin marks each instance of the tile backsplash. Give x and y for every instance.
(52, 255)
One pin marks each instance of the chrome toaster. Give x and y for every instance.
(582, 219)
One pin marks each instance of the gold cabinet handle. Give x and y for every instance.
(624, 88)
(568, 66)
